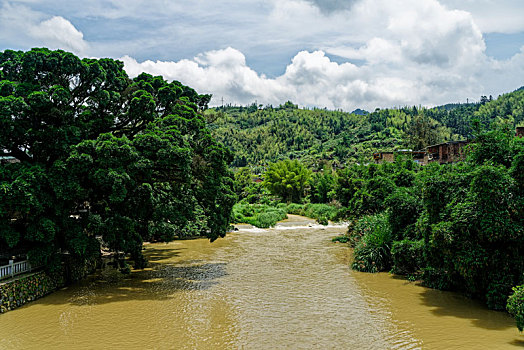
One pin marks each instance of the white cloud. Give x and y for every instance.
(60, 33)
(223, 73)
(402, 51)
(311, 79)
(502, 16)
(21, 27)
(415, 52)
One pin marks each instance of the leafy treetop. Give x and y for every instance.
(103, 156)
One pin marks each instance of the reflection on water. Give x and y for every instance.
(287, 287)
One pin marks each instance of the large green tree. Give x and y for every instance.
(103, 159)
(287, 179)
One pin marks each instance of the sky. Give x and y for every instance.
(317, 53)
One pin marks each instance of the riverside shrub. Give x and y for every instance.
(515, 306)
(407, 256)
(321, 212)
(259, 215)
(460, 225)
(373, 250)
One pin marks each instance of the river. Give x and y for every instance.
(284, 288)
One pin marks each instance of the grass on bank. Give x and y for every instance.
(321, 212)
(259, 215)
(267, 215)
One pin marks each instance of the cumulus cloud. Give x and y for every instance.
(325, 53)
(59, 32)
(501, 16)
(428, 54)
(223, 73)
(20, 27)
(311, 79)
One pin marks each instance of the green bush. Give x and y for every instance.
(295, 208)
(357, 229)
(373, 252)
(436, 278)
(282, 206)
(404, 210)
(407, 256)
(323, 221)
(515, 306)
(321, 212)
(322, 186)
(370, 199)
(340, 239)
(287, 179)
(498, 292)
(259, 215)
(269, 218)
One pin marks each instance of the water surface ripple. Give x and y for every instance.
(282, 288)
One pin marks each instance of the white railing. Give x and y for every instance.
(13, 269)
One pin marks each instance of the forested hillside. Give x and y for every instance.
(259, 135)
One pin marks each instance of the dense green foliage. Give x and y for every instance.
(516, 306)
(287, 179)
(458, 226)
(407, 256)
(373, 249)
(508, 107)
(322, 186)
(259, 215)
(103, 158)
(258, 137)
(250, 190)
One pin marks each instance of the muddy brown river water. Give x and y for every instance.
(282, 288)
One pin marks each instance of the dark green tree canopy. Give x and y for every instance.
(103, 156)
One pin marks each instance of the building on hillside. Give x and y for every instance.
(384, 157)
(447, 152)
(388, 157)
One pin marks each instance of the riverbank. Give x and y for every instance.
(26, 288)
(29, 287)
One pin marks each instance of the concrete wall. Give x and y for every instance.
(26, 288)
(21, 290)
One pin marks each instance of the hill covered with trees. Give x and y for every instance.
(259, 135)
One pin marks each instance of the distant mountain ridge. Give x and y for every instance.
(359, 111)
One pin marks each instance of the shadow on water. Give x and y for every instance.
(161, 280)
(517, 342)
(445, 303)
(155, 255)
